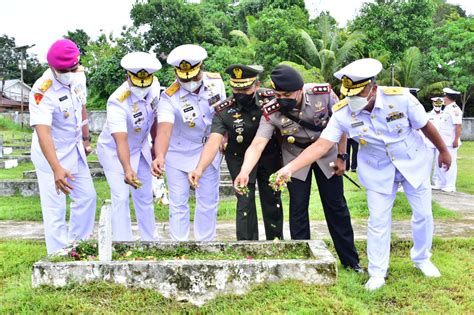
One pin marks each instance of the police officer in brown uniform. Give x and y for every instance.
(238, 118)
(301, 112)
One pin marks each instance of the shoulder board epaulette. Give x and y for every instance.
(270, 108)
(340, 105)
(323, 88)
(393, 90)
(172, 89)
(45, 85)
(228, 102)
(123, 96)
(266, 93)
(213, 75)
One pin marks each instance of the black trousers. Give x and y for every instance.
(338, 219)
(352, 162)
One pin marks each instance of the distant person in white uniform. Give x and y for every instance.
(434, 116)
(450, 129)
(384, 120)
(59, 146)
(185, 115)
(123, 147)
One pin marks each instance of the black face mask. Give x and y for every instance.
(245, 99)
(287, 103)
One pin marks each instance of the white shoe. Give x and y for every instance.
(428, 269)
(435, 187)
(374, 283)
(448, 189)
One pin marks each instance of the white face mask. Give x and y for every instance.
(65, 78)
(437, 108)
(190, 86)
(140, 92)
(358, 103)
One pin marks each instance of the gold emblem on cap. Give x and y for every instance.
(240, 138)
(291, 139)
(142, 74)
(238, 73)
(184, 65)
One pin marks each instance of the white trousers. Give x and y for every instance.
(207, 199)
(142, 201)
(380, 220)
(447, 179)
(53, 206)
(431, 156)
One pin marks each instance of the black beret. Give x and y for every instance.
(286, 78)
(242, 76)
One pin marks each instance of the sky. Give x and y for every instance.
(44, 22)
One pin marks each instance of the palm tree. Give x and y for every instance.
(330, 52)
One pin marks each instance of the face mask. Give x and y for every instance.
(65, 78)
(191, 86)
(244, 99)
(358, 103)
(437, 108)
(287, 103)
(140, 92)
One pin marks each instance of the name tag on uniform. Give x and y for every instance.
(137, 115)
(63, 98)
(188, 112)
(394, 116)
(216, 98)
(357, 124)
(288, 123)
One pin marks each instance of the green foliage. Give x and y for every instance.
(458, 49)
(395, 25)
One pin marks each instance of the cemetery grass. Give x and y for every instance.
(407, 290)
(465, 179)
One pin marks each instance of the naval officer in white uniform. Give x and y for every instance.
(185, 113)
(123, 148)
(450, 129)
(384, 120)
(434, 116)
(60, 142)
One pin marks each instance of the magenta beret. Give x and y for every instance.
(63, 54)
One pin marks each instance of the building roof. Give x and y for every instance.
(10, 83)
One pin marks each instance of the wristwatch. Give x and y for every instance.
(343, 156)
(87, 138)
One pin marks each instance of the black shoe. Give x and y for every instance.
(353, 170)
(356, 268)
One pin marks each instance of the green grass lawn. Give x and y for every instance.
(407, 290)
(465, 179)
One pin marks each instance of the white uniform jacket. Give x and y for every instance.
(387, 136)
(127, 113)
(192, 116)
(60, 107)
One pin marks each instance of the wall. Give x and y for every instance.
(97, 120)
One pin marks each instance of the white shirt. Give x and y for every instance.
(60, 107)
(435, 118)
(452, 116)
(127, 113)
(191, 115)
(388, 139)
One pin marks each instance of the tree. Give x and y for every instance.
(395, 25)
(452, 58)
(331, 50)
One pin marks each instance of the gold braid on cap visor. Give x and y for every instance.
(241, 83)
(141, 79)
(349, 88)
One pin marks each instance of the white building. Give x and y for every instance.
(13, 90)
